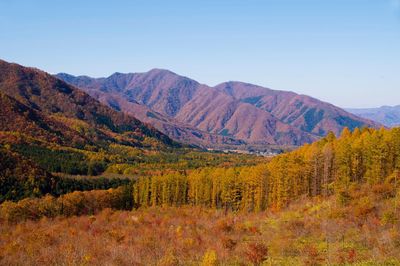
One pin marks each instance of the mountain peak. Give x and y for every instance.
(161, 71)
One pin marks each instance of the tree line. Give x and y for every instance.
(332, 165)
(327, 166)
(75, 203)
(21, 178)
(234, 189)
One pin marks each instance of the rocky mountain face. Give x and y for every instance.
(230, 113)
(386, 115)
(41, 106)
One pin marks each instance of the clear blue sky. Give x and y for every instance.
(346, 52)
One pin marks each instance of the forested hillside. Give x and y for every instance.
(38, 105)
(20, 178)
(329, 166)
(334, 165)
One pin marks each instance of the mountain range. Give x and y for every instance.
(386, 115)
(231, 113)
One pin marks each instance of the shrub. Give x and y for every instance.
(312, 256)
(225, 225)
(363, 207)
(210, 258)
(384, 190)
(389, 217)
(256, 253)
(168, 260)
(343, 197)
(228, 243)
(76, 203)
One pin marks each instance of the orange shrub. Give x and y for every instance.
(256, 253)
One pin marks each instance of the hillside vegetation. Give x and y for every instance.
(333, 202)
(363, 230)
(329, 166)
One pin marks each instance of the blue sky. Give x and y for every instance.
(346, 52)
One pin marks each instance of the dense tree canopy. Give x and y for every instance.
(322, 168)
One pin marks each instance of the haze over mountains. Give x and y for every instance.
(229, 113)
(386, 115)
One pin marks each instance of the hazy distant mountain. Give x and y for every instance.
(234, 110)
(386, 115)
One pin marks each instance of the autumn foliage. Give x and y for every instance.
(332, 202)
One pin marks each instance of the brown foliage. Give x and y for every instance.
(256, 253)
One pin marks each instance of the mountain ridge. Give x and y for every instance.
(239, 110)
(182, 99)
(387, 115)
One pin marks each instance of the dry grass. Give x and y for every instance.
(144, 237)
(366, 231)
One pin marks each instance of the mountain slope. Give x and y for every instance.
(301, 111)
(386, 115)
(107, 92)
(240, 111)
(15, 116)
(189, 104)
(36, 103)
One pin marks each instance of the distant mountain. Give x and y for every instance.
(43, 107)
(386, 115)
(238, 111)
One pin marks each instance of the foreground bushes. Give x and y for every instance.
(308, 232)
(75, 203)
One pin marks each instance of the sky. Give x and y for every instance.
(346, 52)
